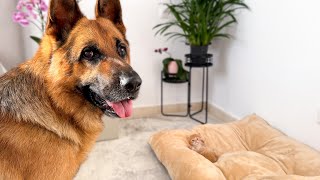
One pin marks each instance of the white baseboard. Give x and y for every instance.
(220, 114)
(112, 128)
(143, 112)
(214, 111)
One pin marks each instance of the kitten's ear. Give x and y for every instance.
(62, 17)
(111, 9)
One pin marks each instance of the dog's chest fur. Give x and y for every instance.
(38, 139)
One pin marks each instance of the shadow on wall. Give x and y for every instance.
(221, 49)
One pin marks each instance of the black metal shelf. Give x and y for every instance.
(171, 78)
(199, 61)
(175, 81)
(203, 62)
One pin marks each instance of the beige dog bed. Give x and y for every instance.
(246, 149)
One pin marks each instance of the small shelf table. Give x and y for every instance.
(203, 62)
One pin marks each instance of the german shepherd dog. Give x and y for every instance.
(51, 106)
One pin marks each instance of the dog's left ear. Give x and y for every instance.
(111, 9)
(62, 17)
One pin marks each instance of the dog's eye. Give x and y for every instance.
(90, 53)
(122, 50)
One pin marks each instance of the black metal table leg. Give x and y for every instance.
(202, 102)
(162, 110)
(189, 91)
(202, 96)
(207, 89)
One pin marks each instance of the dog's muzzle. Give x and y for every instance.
(131, 83)
(115, 98)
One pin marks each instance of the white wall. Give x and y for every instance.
(140, 16)
(11, 52)
(271, 67)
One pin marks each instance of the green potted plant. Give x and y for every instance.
(201, 21)
(172, 68)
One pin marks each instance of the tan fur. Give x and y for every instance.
(46, 127)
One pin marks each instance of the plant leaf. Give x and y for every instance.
(36, 39)
(200, 20)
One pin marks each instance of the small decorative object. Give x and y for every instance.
(172, 68)
(32, 12)
(201, 21)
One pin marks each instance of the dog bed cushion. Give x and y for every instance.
(247, 149)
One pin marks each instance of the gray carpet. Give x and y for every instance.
(130, 157)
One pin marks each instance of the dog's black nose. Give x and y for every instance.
(133, 84)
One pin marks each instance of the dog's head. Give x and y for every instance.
(93, 55)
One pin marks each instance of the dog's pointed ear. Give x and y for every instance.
(111, 9)
(62, 17)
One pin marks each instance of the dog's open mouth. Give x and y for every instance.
(122, 108)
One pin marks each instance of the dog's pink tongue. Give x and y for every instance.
(123, 108)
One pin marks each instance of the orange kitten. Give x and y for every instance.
(197, 144)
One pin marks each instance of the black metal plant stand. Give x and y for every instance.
(203, 62)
